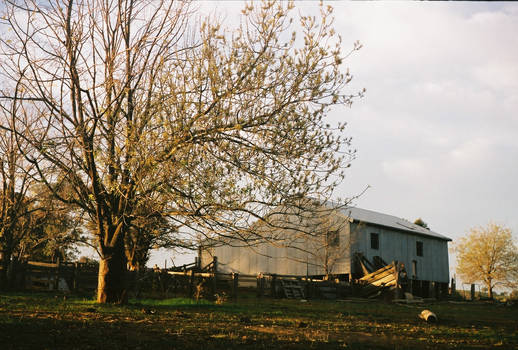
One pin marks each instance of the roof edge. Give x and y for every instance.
(437, 237)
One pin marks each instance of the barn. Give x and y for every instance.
(345, 242)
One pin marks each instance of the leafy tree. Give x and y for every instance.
(56, 230)
(149, 231)
(489, 255)
(136, 105)
(421, 223)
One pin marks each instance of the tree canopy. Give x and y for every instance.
(488, 255)
(421, 223)
(135, 104)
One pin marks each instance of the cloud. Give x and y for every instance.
(437, 131)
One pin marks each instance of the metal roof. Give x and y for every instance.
(372, 217)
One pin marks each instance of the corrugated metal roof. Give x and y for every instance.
(369, 216)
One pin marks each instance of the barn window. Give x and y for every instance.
(375, 241)
(333, 238)
(419, 248)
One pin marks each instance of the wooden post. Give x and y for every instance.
(191, 283)
(214, 283)
(215, 264)
(260, 285)
(397, 291)
(74, 277)
(273, 286)
(432, 290)
(235, 285)
(453, 287)
(199, 257)
(56, 277)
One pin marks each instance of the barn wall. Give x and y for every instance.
(301, 258)
(354, 237)
(401, 246)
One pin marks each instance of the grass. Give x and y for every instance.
(42, 321)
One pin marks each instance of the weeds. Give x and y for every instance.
(220, 298)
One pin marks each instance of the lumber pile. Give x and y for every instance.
(379, 281)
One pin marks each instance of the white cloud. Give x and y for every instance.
(437, 133)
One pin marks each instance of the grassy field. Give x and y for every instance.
(41, 321)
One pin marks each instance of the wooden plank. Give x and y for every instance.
(371, 275)
(380, 276)
(198, 274)
(41, 264)
(385, 280)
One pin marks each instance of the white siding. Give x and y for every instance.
(394, 244)
(269, 258)
(401, 246)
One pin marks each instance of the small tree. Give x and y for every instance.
(422, 223)
(327, 245)
(488, 255)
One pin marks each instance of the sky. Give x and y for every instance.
(437, 131)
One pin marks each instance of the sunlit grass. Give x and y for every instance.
(170, 302)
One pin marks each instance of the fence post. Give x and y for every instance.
(235, 285)
(191, 283)
(274, 287)
(58, 273)
(260, 285)
(453, 288)
(432, 290)
(74, 277)
(215, 264)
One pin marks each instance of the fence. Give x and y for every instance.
(193, 281)
(204, 283)
(208, 284)
(77, 277)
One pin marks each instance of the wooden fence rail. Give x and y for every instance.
(82, 278)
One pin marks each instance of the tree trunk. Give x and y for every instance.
(6, 257)
(112, 286)
(6, 273)
(490, 291)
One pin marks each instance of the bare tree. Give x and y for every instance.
(489, 255)
(16, 207)
(329, 245)
(134, 104)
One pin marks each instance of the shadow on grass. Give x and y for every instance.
(40, 333)
(33, 321)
